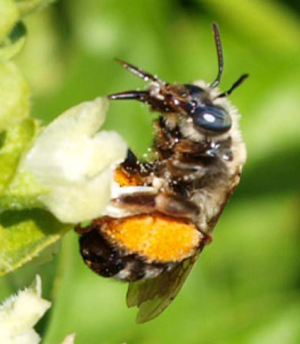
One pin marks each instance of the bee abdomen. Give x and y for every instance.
(105, 260)
(99, 255)
(136, 247)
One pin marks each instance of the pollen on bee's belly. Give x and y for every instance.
(126, 179)
(156, 237)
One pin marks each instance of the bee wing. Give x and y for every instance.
(153, 296)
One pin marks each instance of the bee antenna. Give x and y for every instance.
(234, 86)
(219, 53)
(135, 70)
(141, 96)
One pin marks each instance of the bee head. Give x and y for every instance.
(188, 101)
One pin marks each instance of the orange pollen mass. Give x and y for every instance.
(156, 237)
(123, 178)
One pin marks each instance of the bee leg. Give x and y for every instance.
(173, 205)
(195, 148)
(131, 162)
(183, 170)
(139, 202)
(134, 166)
(176, 205)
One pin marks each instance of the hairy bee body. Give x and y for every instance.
(163, 212)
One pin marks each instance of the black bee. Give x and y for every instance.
(162, 213)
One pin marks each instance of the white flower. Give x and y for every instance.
(75, 162)
(69, 339)
(20, 313)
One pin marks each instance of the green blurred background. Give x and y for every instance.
(246, 286)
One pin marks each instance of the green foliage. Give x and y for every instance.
(25, 233)
(9, 16)
(14, 95)
(245, 287)
(25, 230)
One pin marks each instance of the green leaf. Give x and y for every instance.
(9, 14)
(14, 95)
(23, 234)
(16, 129)
(46, 47)
(29, 6)
(13, 142)
(22, 193)
(14, 42)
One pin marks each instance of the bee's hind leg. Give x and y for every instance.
(143, 202)
(176, 205)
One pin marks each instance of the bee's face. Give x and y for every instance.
(186, 102)
(190, 103)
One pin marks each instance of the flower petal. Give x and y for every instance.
(74, 162)
(20, 313)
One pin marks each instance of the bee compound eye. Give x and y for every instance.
(212, 119)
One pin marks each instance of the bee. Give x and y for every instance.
(163, 212)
